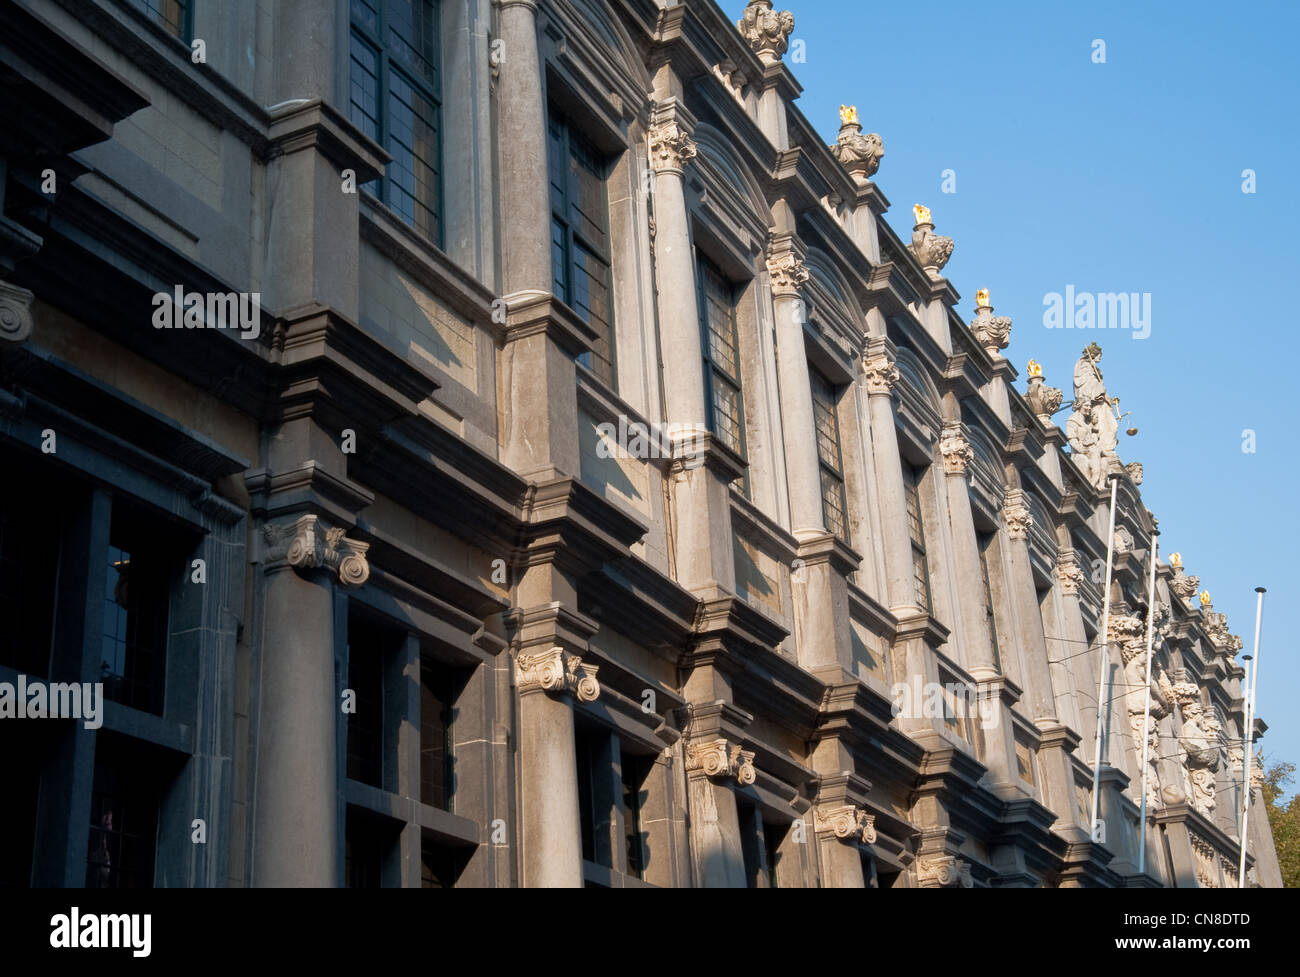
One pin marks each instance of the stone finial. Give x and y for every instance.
(767, 31)
(670, 147)
(847, 822)
(721, 758)
(880, 373)
(15, 313)
(1182, 584)
(1043, 400)
(931, 250)
(860, 154)
(557, 671)
(787, 272)
(956, 450)
(1016, 512)
(943, 871)
(307, 543)
(992, 332)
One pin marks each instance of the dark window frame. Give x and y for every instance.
(716, 373)
(826, 404)
(916, 533)
(387, 64)
(575, 149)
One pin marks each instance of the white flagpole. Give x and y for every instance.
(1146, 709)
(1105, 660)
(1249, 739)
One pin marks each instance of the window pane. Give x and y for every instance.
(435, 735)
(366, 725)
(123, 819)
(413, 142)
(726, 413)
(413, 36)
(366, 13)
(133, 640)
(828, 436)
(833, 503)
(364, 106)
(169, 13)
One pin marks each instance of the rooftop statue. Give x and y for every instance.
(1093, 428)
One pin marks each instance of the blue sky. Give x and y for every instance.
(1123, 176)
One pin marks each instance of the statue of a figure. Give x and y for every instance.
(1199, 738)
(1136, 678)
(1093, 428)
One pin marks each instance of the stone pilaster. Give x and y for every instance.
(713, 766)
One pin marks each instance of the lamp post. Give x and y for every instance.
(1105, 661)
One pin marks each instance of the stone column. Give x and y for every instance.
(701, 471)
(879, 374)
(957, 455)
(715, 829)
(841, 830)
(295, 825)
(787, 273)
(521, 133)
(1029, 616)
(548, 767)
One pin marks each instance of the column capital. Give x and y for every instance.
(785, 267)
(15, 313)
(956, 449)
(943, 872)
(531, 5)
(671, 147)
(721, 758)
(1016, 512)
(880, 371)
(558, 672)
(847, 822)
(308, 542)
(1069, 574)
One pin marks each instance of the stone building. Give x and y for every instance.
(500, 443)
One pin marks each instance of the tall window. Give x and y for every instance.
(436, 685)
(580, 261)
(123, 819)
(173, 15)
(828, 455)
(985, 542)
(634, 770)
(367, 650)
(395, 87)
(920, 574)
(722, 356)
(133, 647)
(29, 557)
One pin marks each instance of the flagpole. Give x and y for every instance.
(1105, 659)
(1249, 740)
(1146, 709)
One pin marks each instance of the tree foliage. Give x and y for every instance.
(1284, 819)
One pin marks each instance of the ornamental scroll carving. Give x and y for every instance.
(307, 543)
(558, 671)
(847, 822)
(15, 313)
(1070, 574)
(945, 871)
(723, 759)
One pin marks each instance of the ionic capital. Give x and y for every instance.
(308, 543)
(15, 313)
(847, 822)
(722, 759)
(558, 672)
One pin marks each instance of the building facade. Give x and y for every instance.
(501, 444)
